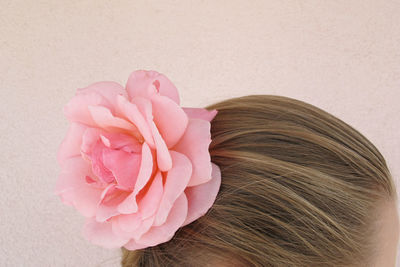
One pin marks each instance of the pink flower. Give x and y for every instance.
(135, 163)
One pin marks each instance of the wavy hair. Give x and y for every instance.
(300, 187)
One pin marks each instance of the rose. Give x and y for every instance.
(135, 163)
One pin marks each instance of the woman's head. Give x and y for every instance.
(299, 188)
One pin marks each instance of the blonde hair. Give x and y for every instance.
(300, 187)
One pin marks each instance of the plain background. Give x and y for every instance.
(342, 56)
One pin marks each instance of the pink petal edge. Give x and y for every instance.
(202, 197)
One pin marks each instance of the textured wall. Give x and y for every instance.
(342, 56)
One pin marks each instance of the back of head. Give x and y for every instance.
(299, 187)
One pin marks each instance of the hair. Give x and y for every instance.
(299, 187)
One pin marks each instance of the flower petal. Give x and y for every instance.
(131, 224)
(111, 188)
(108, 205)
(200, 113)
(201, 197)
(121, 141)
(164, 160)
(163, 157)
(194, 144)
(175, 183)
(150, 202)
(129, 205)
(111, 197)
(96, 158)
(164, 232)
(146, 168)
(71, 145)
(123, 165)
(73, 189)
(76, 110)
(90, 139)
(133, 245)
(136, 231)
(105, 119)
(170, 119)
(146, 83)
(101, 234)
(107, 89)
(127, 223)
(105, 212)
(132, 113)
